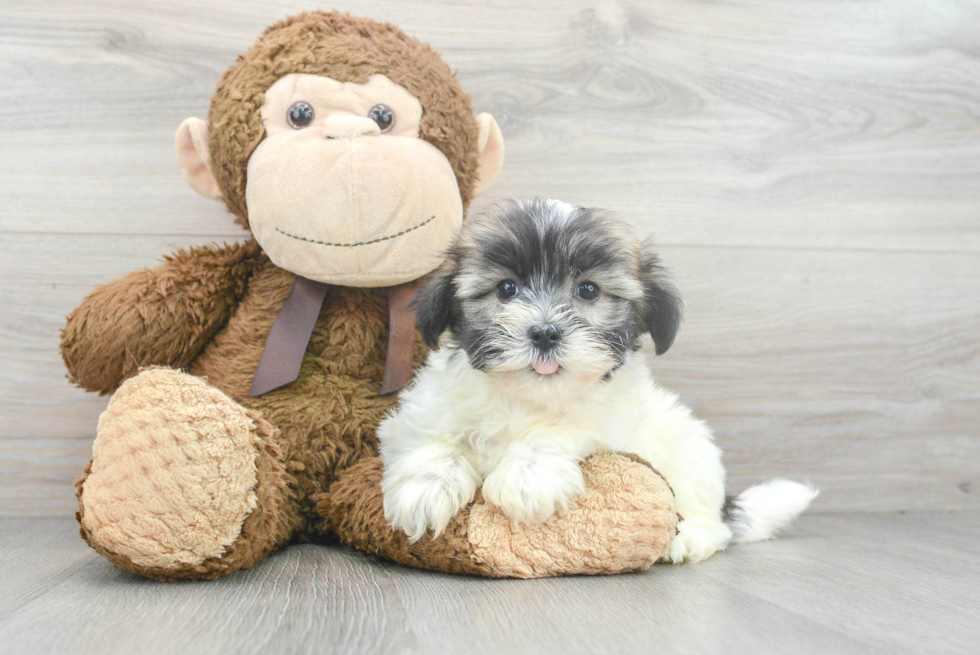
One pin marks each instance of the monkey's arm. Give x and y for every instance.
(160, 316)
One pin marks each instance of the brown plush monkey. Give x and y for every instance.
(247, 379)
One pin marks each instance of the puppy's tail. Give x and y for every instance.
(763, 511)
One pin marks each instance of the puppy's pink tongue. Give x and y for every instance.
(545, 368)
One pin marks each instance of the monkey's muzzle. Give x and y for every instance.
(364, 211)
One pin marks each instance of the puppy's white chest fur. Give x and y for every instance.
(486, 415)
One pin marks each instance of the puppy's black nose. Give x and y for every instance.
(545, 337)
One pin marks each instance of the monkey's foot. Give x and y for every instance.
(184, 482)
(624, 520)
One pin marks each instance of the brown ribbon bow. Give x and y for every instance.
(286, 344)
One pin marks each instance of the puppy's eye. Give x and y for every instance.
(300, 114)
(507, 289)
(587, 291)
(383, 116)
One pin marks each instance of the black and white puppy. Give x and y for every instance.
(540, 308)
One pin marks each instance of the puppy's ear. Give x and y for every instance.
(435, 307)
(661, 308)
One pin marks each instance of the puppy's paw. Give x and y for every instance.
(416, 503)
(530, 489)
(694, 543)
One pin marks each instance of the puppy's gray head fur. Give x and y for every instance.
(536, 283)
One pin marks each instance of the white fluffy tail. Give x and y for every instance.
(763, 511)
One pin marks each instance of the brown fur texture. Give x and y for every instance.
(160, 316)
(327, 417)
(209, 310)
(347, 49)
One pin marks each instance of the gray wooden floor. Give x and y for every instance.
(838, 584)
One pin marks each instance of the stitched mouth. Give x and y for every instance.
(359, 243)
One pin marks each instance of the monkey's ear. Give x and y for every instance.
(661, 309)
(194, 157)
(435, 307)
(491, 157)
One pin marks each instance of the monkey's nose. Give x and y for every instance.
(545, 337)
(348, 127)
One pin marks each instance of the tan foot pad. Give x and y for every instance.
(624, 521)
(173, 474)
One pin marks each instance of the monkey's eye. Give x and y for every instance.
(300, 114)
(507, 289)
(587, 291)
(383, 116)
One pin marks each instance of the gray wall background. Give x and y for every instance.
(811, 171)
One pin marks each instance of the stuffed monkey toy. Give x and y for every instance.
(247, 380)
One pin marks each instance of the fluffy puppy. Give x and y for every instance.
(541, 306)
